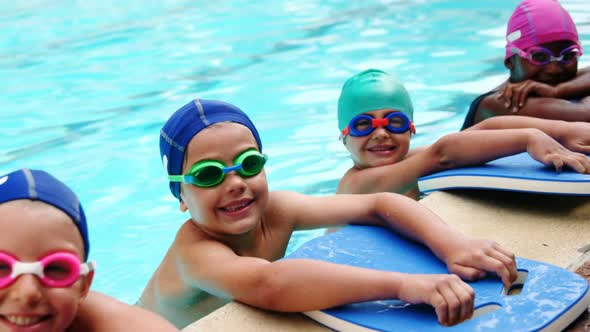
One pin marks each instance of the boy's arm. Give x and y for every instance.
(471, 147)
(480, 146)
(305, 285)
(573, 135)
(102, 313)
(540, 107)
(299, 285)
(465, 256)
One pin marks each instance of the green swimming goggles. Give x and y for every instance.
(209, 173)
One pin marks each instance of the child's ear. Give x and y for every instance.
(509, 63)
(183, 207)
(86, 283)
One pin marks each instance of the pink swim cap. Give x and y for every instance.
(536, 22)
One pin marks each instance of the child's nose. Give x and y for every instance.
(380, 132)
(26, 289)
(554, 67)
(234, 183)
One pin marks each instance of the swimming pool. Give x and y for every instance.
(86, 86)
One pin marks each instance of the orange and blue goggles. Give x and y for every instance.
(364, 124)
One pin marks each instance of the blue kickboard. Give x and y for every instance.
(514, 173)
(548, 292)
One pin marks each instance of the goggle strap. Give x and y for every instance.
(518, 51)
(412, 128)
(176, 178)
(85, 268)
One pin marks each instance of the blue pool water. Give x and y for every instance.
(86, 86)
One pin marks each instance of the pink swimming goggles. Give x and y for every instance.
(60, 269)
(540, 56)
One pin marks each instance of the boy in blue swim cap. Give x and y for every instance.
(45, 276)
(541, 53)
(230, 246)
(375, 117)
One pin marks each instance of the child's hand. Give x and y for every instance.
(448, 294)
(548, 151)
(576, 137)
(515, 94)
(470, 258)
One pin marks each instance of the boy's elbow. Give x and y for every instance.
(439, 152)
(268, 292)
(483, 124)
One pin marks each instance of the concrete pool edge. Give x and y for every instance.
(546, 228)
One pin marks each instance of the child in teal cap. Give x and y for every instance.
(375, 117)
(230, 246)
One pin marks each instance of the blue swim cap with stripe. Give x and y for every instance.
(188, 121)
(41, 186)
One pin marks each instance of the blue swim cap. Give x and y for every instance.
(41, 186)
(188, 121)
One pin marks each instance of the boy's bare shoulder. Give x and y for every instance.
(416, 151)
(281, 205)
(349, 180)
(189, 233)
(100, 312)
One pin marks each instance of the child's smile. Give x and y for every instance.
(238, 208)
(26, 322)
(382, 150)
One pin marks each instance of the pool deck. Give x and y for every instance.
(552, 229)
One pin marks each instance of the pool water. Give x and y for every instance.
(87, 85)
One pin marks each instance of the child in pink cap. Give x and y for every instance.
(542, 51)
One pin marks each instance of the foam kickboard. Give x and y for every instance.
(515, 173)
(550, 299)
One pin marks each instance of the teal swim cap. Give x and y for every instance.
(372, 90)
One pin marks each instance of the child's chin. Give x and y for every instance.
(377, 162)
(243, 225)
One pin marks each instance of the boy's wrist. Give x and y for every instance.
(532, 134)
(443, 244)
(395, 284)
(561, 128)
